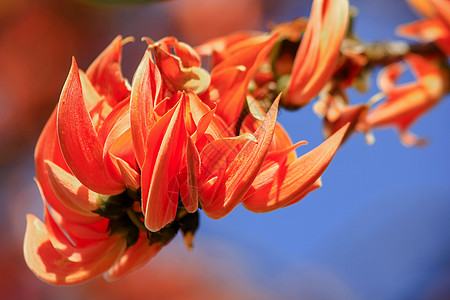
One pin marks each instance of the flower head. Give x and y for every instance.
(123, 168)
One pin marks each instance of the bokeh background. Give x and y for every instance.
(379, 228)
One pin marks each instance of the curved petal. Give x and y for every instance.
(242, 64)
(82, 234)
(47, 148)
(388, 76)
(78, 139)
(71, 192)
(178, 72)
(407, 102)
(443, 11)
(426, 30)
(74, 253)
(120, 112)
(423, 7)
(50, 266)
(135, 257)
(146, 90)
(130, 176)
(119, 144)
(165, 147)
(353, 114)
(282, 185)
(106, 75)
(218, 48)
(91, 96)
(215, 155)
(229, 189)
(189, 186)
(316, 58)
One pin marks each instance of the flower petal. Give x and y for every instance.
(146, 90)
(188, 188)
(282, 185)
(178, 72)
(165, 147)
(47, 148)
(130, 176)
(106, 75)
(215, 155)
(74, 253)
(229, 189)
(317, 55)
(50, 266)
(405, 103)
(91, 96)
(242, 64)
(82, 234)
(71, 192)
(133, 258)
(78, 139)
(388, 76)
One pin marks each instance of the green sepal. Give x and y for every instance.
(124, 226)
(165, 235)
(113, 207)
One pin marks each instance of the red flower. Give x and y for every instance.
(122, 170)
(80, 158)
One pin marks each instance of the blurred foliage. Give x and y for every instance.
(122, 2)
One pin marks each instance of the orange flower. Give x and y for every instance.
(123, 169)
(199, 154)
(436, 27)
(240, 58)
(82, 156)
(407, 102)
(318, 53)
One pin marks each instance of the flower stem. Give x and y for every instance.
(136, 221)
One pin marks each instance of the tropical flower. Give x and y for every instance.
(80, 162)
(405, 103)
(123, 168)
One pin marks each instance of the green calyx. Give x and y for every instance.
(124, 220)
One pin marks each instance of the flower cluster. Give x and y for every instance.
(122, 168)
(403, 103)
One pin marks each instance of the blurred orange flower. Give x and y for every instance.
(335, 110)
(201, 20)
(436, 26)
(405, 103)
